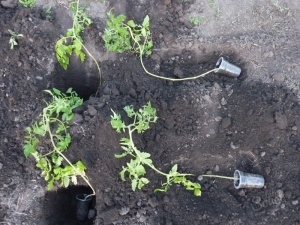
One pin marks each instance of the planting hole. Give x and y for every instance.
(81, 77)
(60, 206)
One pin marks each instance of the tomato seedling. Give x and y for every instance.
(135, 169)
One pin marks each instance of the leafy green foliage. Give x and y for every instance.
(12, 41)
(47, 12)
(53, 125)
(196, 20)
(27, 3)
(72, 42)
(120, 36)
(135, 168)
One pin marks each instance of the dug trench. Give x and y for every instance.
(212, 125)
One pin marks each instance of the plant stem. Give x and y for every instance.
(223, 177)
(65, 158)
(157, 76)
(151, 166)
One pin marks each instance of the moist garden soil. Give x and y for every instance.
(211, 125)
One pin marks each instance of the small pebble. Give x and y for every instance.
(223, 101)
(124, 211)
(295, 202)
(242, 193)
(233, 146)
(91, 110)
(218, 118)
(262, 154)
(142, 219)
(280, 193)
(200, 178)
(268, 170)
(91, 214)
(256, 199)
(153, 202)
(226, 122)
(217, 168)
(294, 128)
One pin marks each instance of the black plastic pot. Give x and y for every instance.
(83, 205)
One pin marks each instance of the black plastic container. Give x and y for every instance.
(83, 205)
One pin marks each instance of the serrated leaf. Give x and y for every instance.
(146, 21)
(122, 174)
(80, 166)
(66, 181)
(74, 179)
(28, 149)
(50, 184)
(174, 169)
(131, 23)
(142, 182)
(121, 155)
(144, 155)
(134, 184)
(143, 32)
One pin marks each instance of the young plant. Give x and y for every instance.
(120, 36)
(196, 20)
(27, 3)
(135, 169)
(47, 12)
(12, 41)
(72, 42)
(53, 126)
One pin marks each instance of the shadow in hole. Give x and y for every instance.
(82, 78)
(60, 206)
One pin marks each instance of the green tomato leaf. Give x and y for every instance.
(134, 184)
(121, 155)
(131, 23)
(66, 181)
(146, 21)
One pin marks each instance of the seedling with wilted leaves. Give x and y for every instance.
(120, 36)
(12, 41)
(72, 42)
(135, 169)
(53, 126)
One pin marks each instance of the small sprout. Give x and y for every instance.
(196, 20)
(12, 41)
(27, 3)
(121, 36)
(47, 13)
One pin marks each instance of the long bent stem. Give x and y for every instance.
(158, 76)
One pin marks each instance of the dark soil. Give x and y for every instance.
(212, 125)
